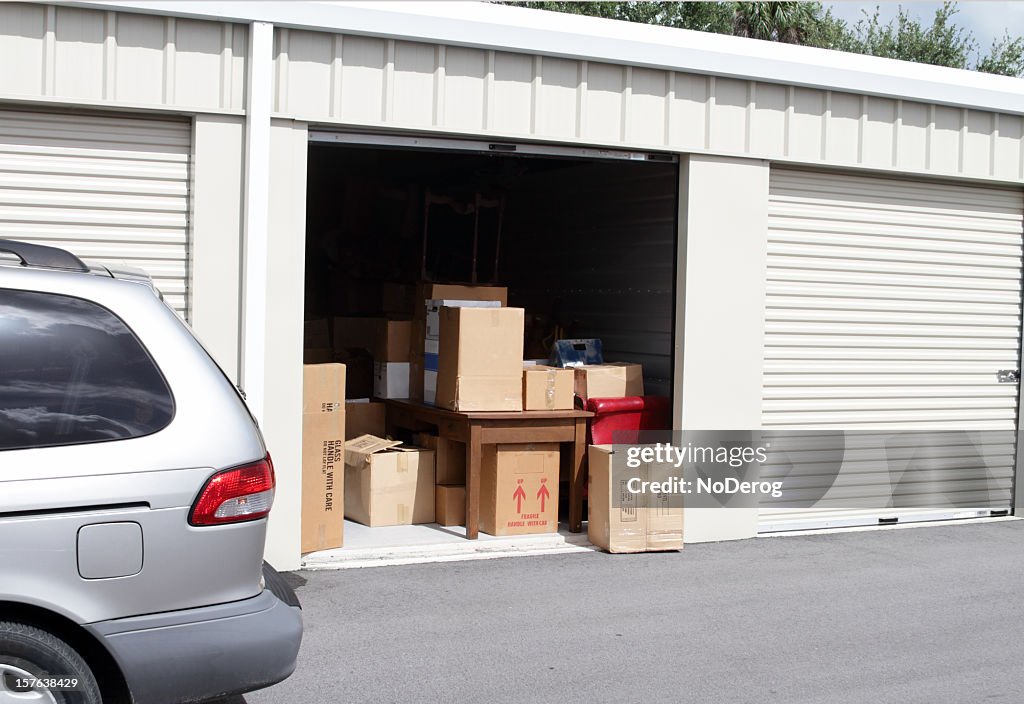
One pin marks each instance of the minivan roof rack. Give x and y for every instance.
(37, 255)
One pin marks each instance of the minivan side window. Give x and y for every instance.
(72, 372)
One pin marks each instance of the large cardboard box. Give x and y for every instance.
(480, 359)
(547, 388)
(620, 521)
(323, 440)
(449, 457)
(613, 380)
(519, 489)
(450, 505)
(391, 379)
(388, 485)
(364, 417)
(385, 339)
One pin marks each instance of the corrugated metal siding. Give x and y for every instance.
(121, 59)
(107, 188)
(892, 304)
(378, 82)
(616, 223)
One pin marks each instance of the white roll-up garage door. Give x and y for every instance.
(893, 305)
(109, 189)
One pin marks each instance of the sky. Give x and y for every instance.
(988, 20)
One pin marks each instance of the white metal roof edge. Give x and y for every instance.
(522, 30)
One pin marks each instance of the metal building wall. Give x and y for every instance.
(117, 59)
(377, 82)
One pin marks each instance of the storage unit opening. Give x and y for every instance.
(585, 246)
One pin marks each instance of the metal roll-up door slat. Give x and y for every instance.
(891, 306)
(108, 188)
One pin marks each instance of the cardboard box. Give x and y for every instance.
(323, 475)
(519, 489)
(391, 379)
(426, 291)
(480, 359)
(316, 333)
(619, 521)
(388, 485)
(547, 388)
(434, 306)
(385, 339)
(364, 418)
(450, 505)
(449, 457)
(614, 380)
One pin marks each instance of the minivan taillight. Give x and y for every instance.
(242, 493)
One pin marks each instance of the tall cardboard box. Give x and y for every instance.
(620, 521)
(519, 489)
(612, 380)
(449, 457)
(323, 441)
(547, 388)
(364, 418)
(450, 505)
(480, 359)
(388, 485)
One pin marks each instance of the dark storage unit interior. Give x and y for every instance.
(586, 246)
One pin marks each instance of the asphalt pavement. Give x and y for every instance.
(913, 615)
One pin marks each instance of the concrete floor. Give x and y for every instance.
(916, 615)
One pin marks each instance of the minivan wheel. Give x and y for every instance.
(37, 667)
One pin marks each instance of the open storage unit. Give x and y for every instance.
(583, 240)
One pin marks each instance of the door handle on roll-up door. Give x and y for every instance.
(1008, 376)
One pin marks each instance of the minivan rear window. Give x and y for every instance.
(72, 372)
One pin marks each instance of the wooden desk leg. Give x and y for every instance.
(578, 477)
(474, 458)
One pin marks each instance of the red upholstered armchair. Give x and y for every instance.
(632, 413)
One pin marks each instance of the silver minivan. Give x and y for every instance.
(134, 493)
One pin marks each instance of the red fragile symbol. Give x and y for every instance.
(543, 495)
(519, 495)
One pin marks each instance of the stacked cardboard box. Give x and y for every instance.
(519, 489)
(480, 359)
(612, 380)
(547, 388)
(323, 438)
(432, 341)
(388, 485)
(386, 341)
(620, 521)
(450, 478)
(426, 291)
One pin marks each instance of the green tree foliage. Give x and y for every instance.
(943, 42)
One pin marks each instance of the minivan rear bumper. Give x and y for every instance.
(208, 652)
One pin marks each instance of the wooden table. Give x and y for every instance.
(479, 428)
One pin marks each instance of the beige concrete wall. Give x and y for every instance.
(723, 226)
(218, 144)
(282, 413)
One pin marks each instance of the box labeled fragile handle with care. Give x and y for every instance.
(519, 489)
